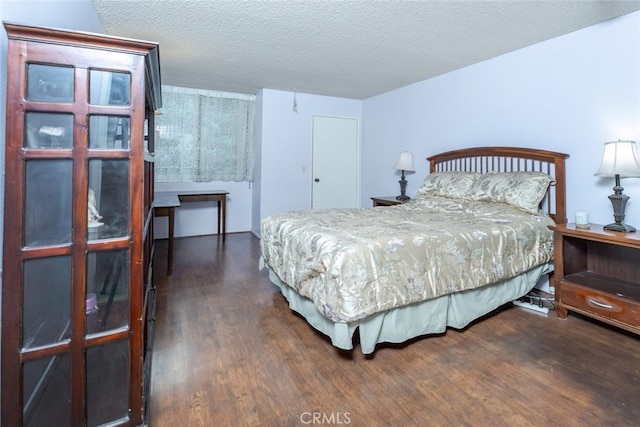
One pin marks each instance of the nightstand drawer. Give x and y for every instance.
(602, 304)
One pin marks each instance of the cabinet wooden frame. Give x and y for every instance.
(83, 53)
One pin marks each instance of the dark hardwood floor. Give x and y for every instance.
(229, 352)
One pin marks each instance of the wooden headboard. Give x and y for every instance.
(511, 159)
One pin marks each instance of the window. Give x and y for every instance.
(204, 135)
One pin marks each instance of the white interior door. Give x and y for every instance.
(335, 163)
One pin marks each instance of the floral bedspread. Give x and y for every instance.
(356, 262)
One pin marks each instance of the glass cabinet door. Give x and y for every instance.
(72, 338)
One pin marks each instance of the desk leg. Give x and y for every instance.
(223, 211)
(170, 251)
(219, 216)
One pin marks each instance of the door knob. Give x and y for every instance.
(317, 180)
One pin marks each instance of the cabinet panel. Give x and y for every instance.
(107, 385)
(108, 202)
(107, 301)
(48, 130)
(47, 202)
(46, 317)
(617, 262)
(47, 385)
(109, 132)
(109, 88)
(49, 83)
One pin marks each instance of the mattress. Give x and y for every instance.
(353, 263)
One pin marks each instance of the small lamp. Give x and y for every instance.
(405, 163)
(620, 159)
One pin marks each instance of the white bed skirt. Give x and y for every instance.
(403, 323)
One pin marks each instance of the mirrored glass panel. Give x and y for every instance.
(47, 210)
(107, 383)
(108, 199)
(107, 295)
(49, 83)
(47, 391)
(46, 311)
(109, 132)
(109, 88)
(48, 130)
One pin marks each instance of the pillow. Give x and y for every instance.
(448, 184)
(524, 190)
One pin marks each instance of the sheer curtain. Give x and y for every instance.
(204, 135)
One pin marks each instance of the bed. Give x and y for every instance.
(474, 237)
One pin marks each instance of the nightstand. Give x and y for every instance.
(597, 274)
(387, 201)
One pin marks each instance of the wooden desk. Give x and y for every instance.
(219, 196)
(165, 203)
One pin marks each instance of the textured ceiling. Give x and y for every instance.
(350, 49)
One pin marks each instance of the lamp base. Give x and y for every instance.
(403, 187)
(620, 226)
(619, 202)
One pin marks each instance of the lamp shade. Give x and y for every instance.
(620, 158)
(405, 162)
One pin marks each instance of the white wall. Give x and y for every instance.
(569, 94)
(283, 170)
(257, 165)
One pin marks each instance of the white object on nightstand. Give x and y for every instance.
(582, 220)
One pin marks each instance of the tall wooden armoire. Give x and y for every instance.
(77, 292)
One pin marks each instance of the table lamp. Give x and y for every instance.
(405, 163)
(620, 159)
